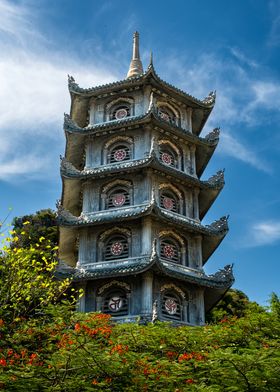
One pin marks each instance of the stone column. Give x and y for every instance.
(192, 156)
(189, 118)
(147, 293)
(195, 203)
(198, 252)
(146, 236)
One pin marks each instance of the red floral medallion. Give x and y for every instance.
(115, 304)
(164, 116)
(119, 155)
(168, 251)
(118, 200)
(117, 248)
(168, 203)
(166, 158)
(170, 306)
(121, 113)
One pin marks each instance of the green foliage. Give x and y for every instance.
(42, 224)
(234, 303)
(63, 350)
(26, 276)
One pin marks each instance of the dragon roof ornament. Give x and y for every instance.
(210, 99)
(213, 135)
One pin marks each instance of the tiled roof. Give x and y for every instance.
(208, 102)
(71, 127)
(65, 218)
(69, 171)
(222, 279)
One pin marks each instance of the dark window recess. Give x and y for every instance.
(169, 202)
(120, 112)
(170, 250)
(116, 248)
(119, 153)
(115, 303)
(168, 157)
(118, 197)
(171, 307)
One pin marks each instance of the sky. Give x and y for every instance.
(198, 46)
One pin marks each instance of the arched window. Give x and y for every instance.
(167, 114)
(171, 306)
(115, 302)
(119, 196)
(116, 247)
(169, 201)
(119, 152)
(170, 250)
(120, 111)
(168, 155)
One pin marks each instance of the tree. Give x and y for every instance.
(42, 224)
(234, 303)
(27, 280)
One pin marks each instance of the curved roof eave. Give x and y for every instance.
(210, 140)
(207, 103)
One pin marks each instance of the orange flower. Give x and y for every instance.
(1, 322)
(77, 327)
(94, 382)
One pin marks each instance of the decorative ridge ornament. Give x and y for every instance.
(135, 68)
(211, 98)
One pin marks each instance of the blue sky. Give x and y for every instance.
(199, 46)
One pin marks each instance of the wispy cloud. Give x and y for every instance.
(33, 91)
(264, 233)
(232, 147)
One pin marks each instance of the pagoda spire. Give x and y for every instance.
(135, 67)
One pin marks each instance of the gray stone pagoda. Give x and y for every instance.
(132, 200)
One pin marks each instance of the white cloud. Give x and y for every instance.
(232, 147)
(34, 93)
(265, 233)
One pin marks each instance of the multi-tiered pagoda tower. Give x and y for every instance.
(132, 200)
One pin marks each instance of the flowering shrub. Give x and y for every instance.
(67, 351)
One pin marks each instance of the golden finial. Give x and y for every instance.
(135, 67)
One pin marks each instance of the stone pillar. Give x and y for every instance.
(189, 118)
(198, 252)
(147, 94)
(195, 204)
(192, 156)
(200, 307)
(185, 311)
(146, 236)
(147, 293)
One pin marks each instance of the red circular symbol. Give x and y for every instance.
(166, 158)
(115, 304)
(170, 306)
(119, 155)
(118, 200)
(168, 203)
(117, 248)
(121, 113)
(168, 251)
(164, 116)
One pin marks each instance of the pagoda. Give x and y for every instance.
(132, 200)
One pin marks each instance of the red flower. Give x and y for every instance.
(3, 362)
(77, 327)
(189, 381)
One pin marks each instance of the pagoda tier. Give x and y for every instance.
(76, 135)
(132, 200)
(208, 190)
(149, 81)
